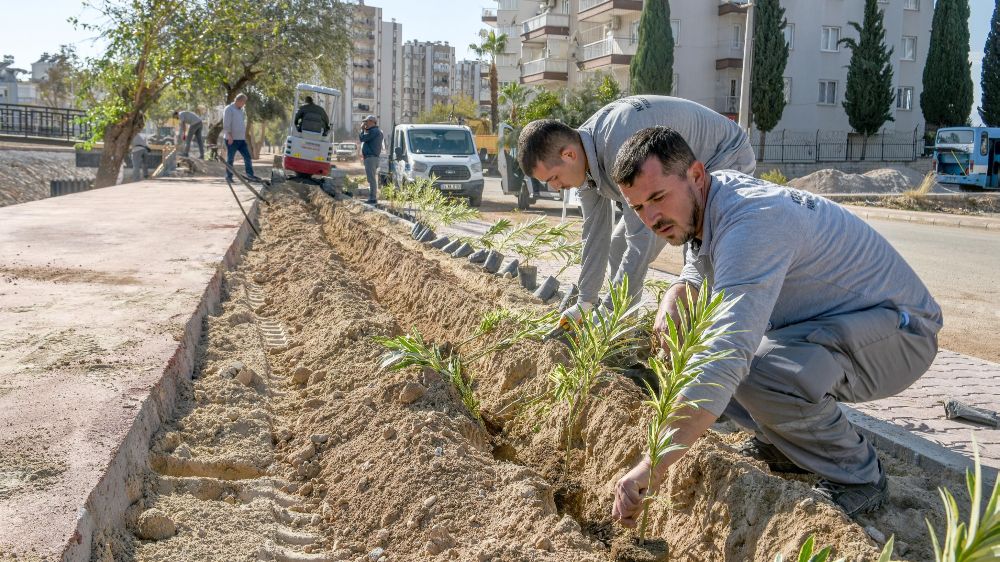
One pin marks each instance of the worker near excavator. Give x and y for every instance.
(553, 152)
(825, 311)
(312, 118)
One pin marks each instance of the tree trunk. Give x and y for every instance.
(117, 141)
(494, 110)
(763, 146)
(864, 145)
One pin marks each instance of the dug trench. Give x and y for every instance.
(291, 443)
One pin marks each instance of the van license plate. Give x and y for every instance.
(451, 187)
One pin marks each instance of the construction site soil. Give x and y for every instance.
(290, 443)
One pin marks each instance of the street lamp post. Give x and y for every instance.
(744, 118)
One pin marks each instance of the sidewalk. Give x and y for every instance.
(911, 425)
(102, 297)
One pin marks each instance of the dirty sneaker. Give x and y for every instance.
(855, 499)
(775, 459)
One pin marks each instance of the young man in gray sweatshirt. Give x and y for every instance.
(553, 152)
(827, 312)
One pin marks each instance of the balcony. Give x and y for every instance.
(508, 5)
(545, 70)
(603, 10)
(729, 62)
(545, 25)
(728, 105)
(363, 94)
(608, 51)
(489, 16)
(727, 7)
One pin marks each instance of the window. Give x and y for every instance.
(911, 4)
(904, 98)
(736, 41)
(827, 92)
(789, 32)
(909, 47)
(786, 88)
(634, 32)
(673, 85)
(675, 29)
(830, 39)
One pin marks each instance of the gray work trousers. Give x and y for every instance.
(801, 371)
(140, 165)
(640, 251)
(371, 170)
(192, 133)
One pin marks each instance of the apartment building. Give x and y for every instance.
(560, 43)
(372, 80)
(428, 75)
(472, 79)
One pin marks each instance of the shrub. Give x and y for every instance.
(774, 176)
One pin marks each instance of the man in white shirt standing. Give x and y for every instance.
(234, 130)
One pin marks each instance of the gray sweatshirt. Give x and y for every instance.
(188, 118)
(790, 256)
(234, 123)
(716, 141)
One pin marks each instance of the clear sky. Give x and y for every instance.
(34, 27)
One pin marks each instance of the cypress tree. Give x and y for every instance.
(652, 68)
(770, 55)
(989, 112)
(947, 96)
(868, 97)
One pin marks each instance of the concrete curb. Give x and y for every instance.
(106, 505)
(910, 448)
(935, 219)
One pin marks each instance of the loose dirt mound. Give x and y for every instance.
(291, 443)
(25, 175)
(884, 180)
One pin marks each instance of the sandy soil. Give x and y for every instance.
(291, 444)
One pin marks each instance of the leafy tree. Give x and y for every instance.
(947, 95)
(151, 45)
(491, 45)
(593, 94)
(513, 97)
(545, 105)
(869, 96)
(58, 89)
(652, 68)
(989, 112)
(459, 109)
(271, 45)
(770, 55)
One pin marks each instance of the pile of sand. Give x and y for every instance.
(882, 180)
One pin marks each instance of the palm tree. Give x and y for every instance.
(513, 96)
(491, 45)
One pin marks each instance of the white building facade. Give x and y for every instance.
(372, 80)
(428, 75)
(560, 43)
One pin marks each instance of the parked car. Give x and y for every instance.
(347, 151)
(445, 152)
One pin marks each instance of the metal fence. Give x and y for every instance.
(47, 122)
(836, 146)
(65, 187)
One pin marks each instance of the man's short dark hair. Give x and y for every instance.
(666, 144)
(543, 141)
(309, 99)
(177, 113)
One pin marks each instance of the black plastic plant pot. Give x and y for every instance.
(509, 270)
(463, 251)
(547, 288)
(569, 299)
(415, 231)
(440, 242)
(427, 235)
(527, 275)
(493, 261)
(479, 256)
(450, 247)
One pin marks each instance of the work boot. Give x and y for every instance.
(775, 459)
(855, 499)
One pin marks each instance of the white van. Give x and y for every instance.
(447, 152)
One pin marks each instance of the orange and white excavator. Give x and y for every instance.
(309, 148)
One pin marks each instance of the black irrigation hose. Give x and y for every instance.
(242, 179)
(240, 203)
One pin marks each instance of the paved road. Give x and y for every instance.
(959, 265)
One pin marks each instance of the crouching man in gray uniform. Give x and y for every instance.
(828, 312)
(553, 152)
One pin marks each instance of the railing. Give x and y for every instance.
(544, 65)
(836, 146)
(609, 46)
(545, 20)
(36, 121)
(588, 4)
(508, 5)
(729, 104)
(364, 94)
(489, 14)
